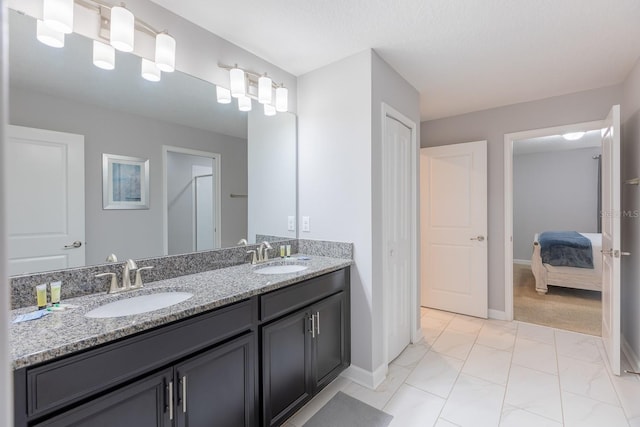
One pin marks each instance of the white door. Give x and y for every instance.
(611, 238)
(45, 200)
(453, 187)
(397, 191)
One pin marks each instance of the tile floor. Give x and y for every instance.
(474, 372)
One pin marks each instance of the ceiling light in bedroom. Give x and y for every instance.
(573, 136)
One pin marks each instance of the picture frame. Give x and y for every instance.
(125, 182)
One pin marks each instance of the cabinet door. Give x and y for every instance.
(330, 354)
(217, 388)
(144, 403)
(286, 366)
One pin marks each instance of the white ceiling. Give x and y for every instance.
(461, 55)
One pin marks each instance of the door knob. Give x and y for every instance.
(478, 238)
(74, 245)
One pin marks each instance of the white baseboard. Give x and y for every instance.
(631, 355)
(497, 314)
(366, 378)
(522, 261)
(416, 336)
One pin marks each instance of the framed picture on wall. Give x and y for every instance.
(125, 182)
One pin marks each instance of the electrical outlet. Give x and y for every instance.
(291, 223)
(305, 224)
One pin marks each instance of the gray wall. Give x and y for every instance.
(272, 190)
(553, 190)
(340, 182)
(630, 110)
(131, 233)
(492, 125)
(334, 164)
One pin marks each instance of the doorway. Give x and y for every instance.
(191, 200)
(610, 221)
(556, 187)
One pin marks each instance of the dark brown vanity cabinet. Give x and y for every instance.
(247, 364)
(215, 388)
(141, 404)
(198, 371)
(303, 350)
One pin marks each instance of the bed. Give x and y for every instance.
(568, 277)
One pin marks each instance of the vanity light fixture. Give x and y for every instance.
(251, 85)
(237, 82)
(150, 70)
(165, 52)
(223, 95)
(117, 27)
(265, 88)
(49, 36)
(122, 28)
(282, 99)
(104, 55)
(244, 103)
(58, 15)
(573, 136)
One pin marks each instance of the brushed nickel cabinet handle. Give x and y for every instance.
(171, 400)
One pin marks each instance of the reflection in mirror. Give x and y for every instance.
(118, 112)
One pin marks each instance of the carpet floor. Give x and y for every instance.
(563, 308)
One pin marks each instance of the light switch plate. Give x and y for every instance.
(291, 223)
(305, 223)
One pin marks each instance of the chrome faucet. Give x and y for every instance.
(138, 283)
(129, 266)
(263, 255)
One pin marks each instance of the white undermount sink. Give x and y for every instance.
(139, 304)
(280, 269)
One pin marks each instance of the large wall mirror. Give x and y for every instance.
(215, 175)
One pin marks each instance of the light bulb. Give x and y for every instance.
(48, 36)
(264, 90)
(269, 110)
(104, 55)
(223, 95)
(573, 136)
(244, 103)
(150, 71)
(58, 15)
(282, 101)
(237, 82)
(165, 52)
(122, 29)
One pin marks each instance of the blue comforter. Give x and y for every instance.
(565, 249)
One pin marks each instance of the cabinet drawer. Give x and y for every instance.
(282, 301)
(76, 377)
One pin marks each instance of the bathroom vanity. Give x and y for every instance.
(246, 350)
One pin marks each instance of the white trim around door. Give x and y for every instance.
(217, 188)
(509, 139)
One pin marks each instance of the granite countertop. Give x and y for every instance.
(64, 332)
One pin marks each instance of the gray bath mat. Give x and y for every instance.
(345, 411)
